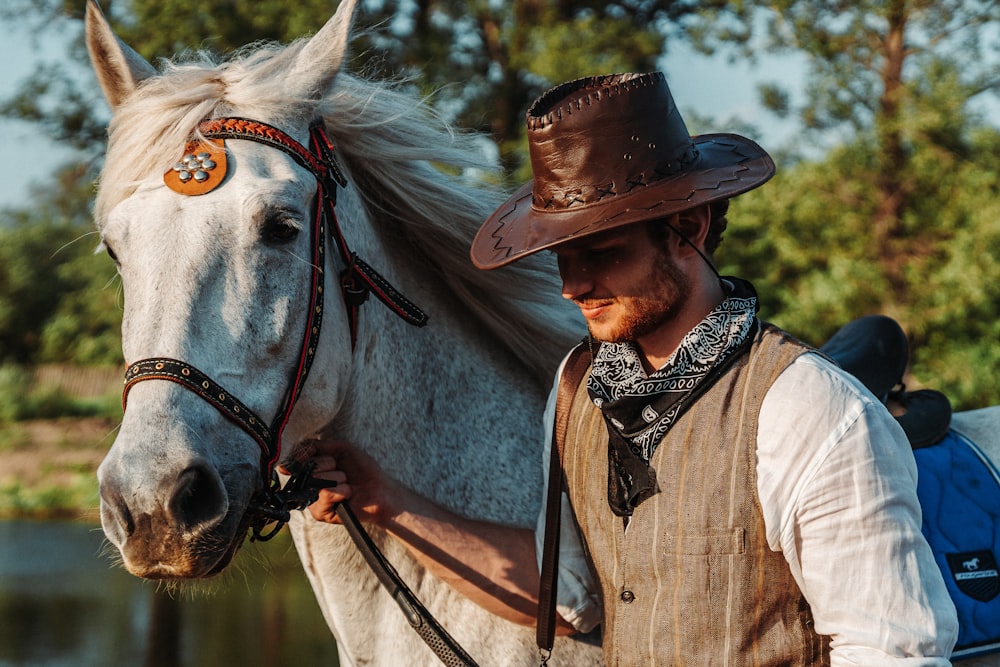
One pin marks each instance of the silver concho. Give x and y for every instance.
(194, 166)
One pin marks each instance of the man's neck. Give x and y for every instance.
(657, 347)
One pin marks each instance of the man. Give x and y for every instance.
(735, 498)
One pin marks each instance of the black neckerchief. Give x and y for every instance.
(639, 409)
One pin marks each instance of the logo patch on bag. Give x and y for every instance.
(975, 573)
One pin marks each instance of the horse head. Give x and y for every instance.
(218, 266)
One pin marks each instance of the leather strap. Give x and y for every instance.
(165, 368)
(574, 372)
(358, 278)
(322, 166)
(424, 624)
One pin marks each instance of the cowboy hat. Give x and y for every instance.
(608, 151)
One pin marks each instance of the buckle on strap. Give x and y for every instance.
(274, 504)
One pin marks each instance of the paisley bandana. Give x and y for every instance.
(639, 409)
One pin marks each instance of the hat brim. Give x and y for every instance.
(727, 165)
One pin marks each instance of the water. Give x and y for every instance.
(64, 604)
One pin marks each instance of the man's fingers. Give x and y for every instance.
(325, 507)
(326, 515)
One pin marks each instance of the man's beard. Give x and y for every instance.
(669, 290)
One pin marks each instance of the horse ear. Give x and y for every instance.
(319, 61)
(119, 69)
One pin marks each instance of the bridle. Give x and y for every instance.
(272, 503)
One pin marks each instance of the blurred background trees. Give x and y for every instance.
(900, 214)
(888, 201)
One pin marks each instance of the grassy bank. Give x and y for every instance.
(56, 424)
(48, 467)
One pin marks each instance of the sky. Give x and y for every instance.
(30, 157)
(710, 86)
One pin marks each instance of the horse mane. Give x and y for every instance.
(417, 174)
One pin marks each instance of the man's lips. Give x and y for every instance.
(593, 309)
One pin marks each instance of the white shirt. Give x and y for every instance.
(837, 485)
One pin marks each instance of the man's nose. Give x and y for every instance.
(577, 280)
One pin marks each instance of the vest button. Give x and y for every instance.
(628, 596)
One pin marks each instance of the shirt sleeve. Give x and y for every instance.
(577, 600)
(837, 484)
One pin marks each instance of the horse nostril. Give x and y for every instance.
(198, 500)
(115, 515)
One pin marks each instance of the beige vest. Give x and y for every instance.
(692, 581)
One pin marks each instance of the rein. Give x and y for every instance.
(274, 503)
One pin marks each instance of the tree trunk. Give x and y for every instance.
(892, 162)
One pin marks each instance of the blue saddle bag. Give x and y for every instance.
(959, 491)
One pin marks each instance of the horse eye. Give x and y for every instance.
(280, 230)
(111, 253)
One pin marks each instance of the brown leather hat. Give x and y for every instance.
(608, 151)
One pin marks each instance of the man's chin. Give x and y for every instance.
(624, 331)
(605, 334)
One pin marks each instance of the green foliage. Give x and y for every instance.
(808, 242)
(85, 327)
(28, 282)
(902, 217)
(164, 28)
(802, 239)
(54, 101)
(15, 383)
(486, 61)
(58, 299)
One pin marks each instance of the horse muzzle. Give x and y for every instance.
(174, 525)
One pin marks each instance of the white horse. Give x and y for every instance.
(221, 281)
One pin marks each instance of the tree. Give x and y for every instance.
(899, 74)
(55, 304)
(895, 217)
(806, 238)
(486, 61)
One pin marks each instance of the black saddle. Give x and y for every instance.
(874, 350)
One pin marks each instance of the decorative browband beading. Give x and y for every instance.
(242, 128)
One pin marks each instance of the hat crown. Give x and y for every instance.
(604, 136)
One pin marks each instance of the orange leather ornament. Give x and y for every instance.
(200, 170)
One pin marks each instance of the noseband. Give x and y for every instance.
(272, 503)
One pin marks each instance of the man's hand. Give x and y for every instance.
(374, 496)
(493, 565)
